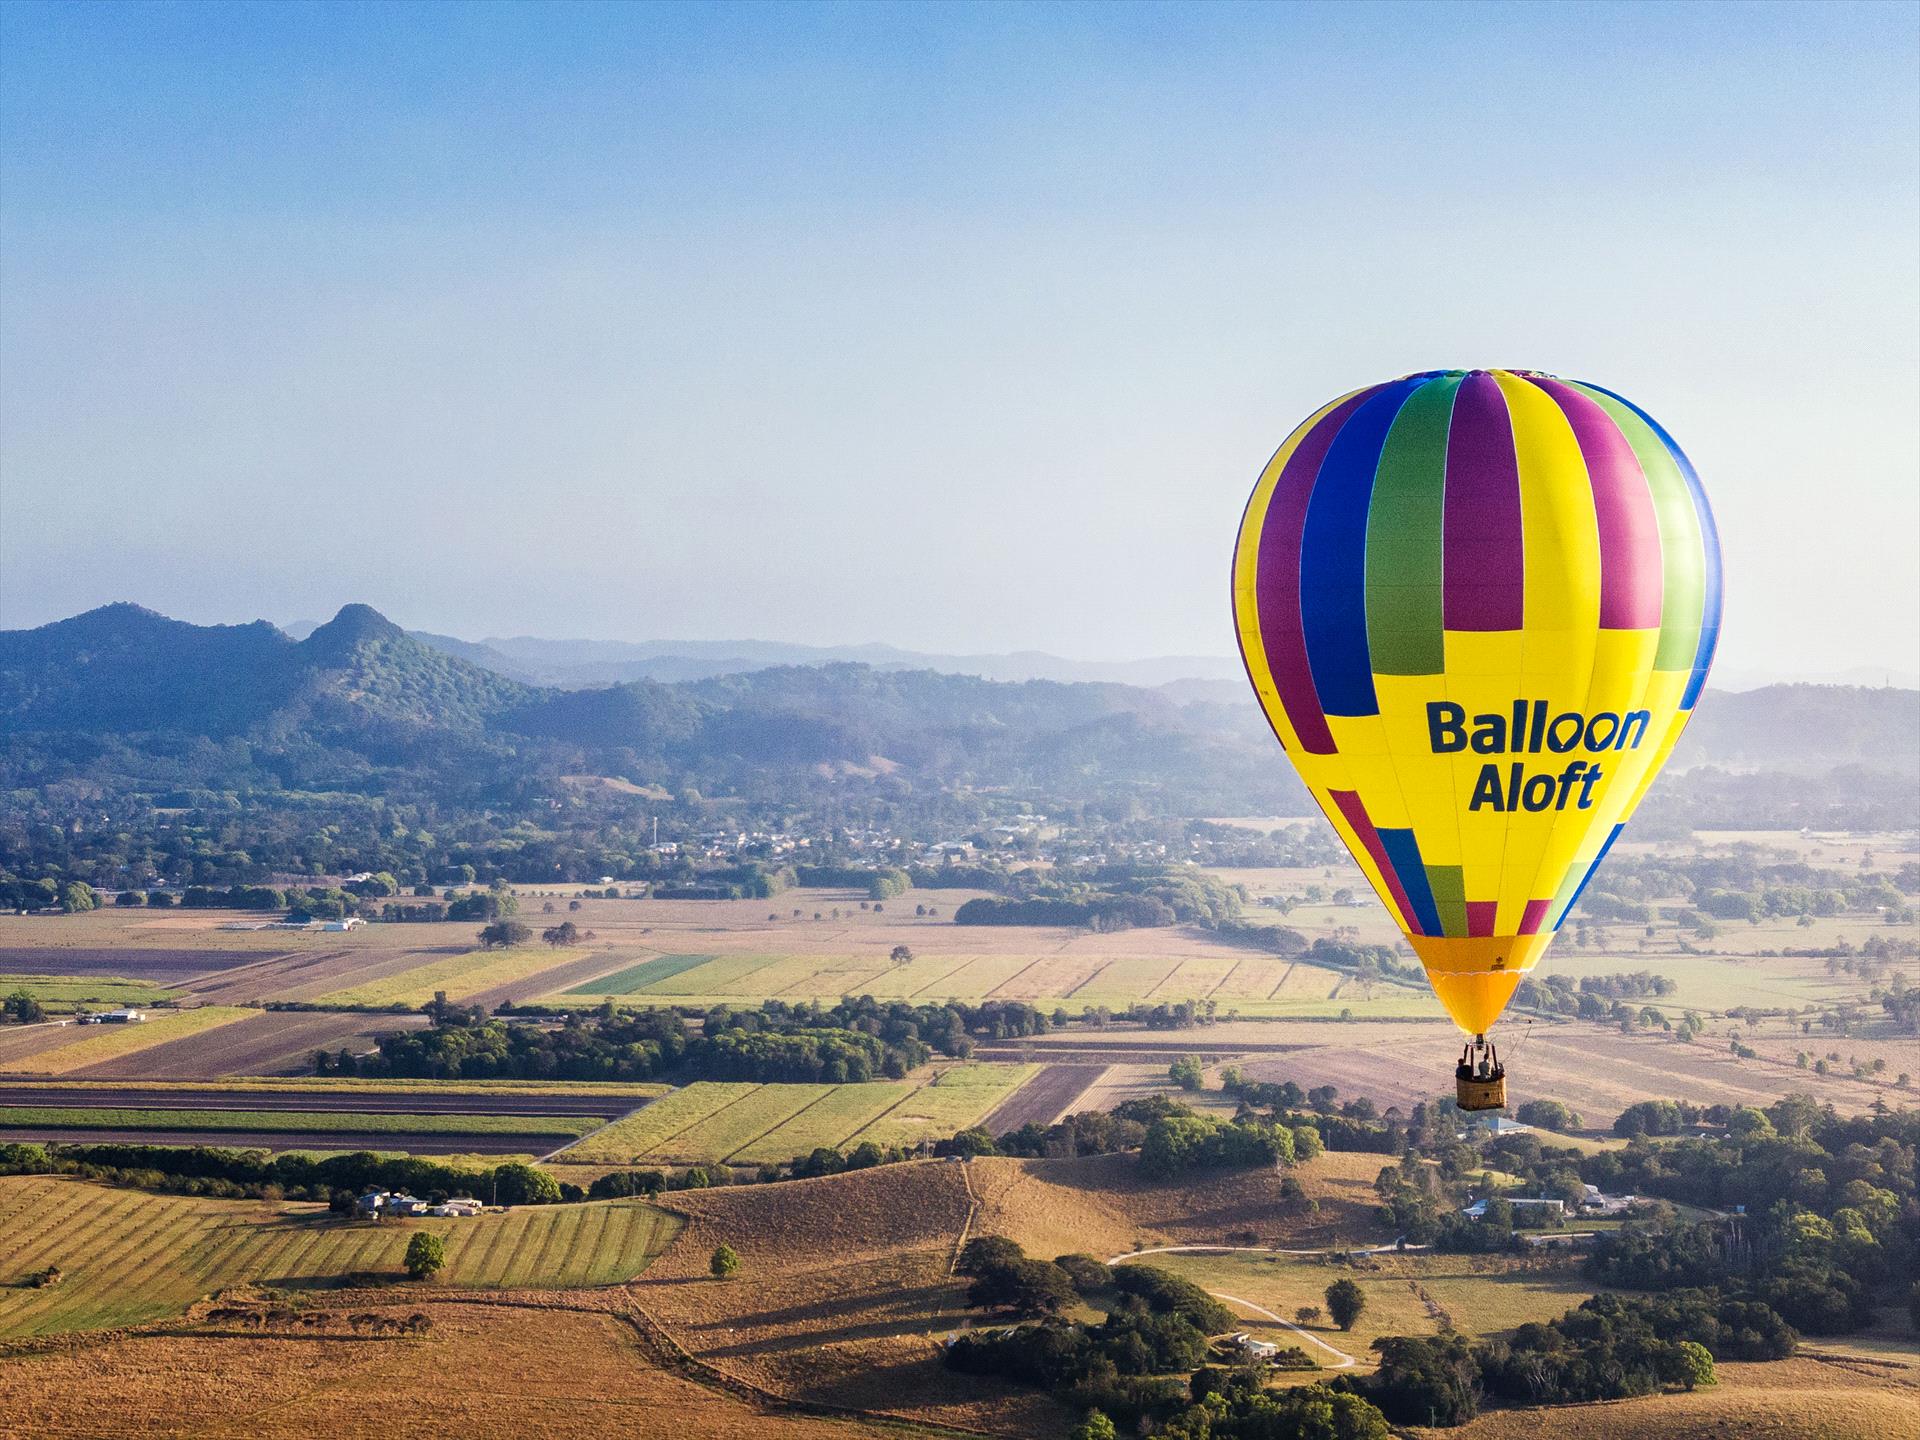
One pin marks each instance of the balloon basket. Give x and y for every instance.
(1480, 1080)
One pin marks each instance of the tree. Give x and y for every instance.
(901, 955)
(1307, 1315)
(518, 1184)
(426, 1255)
(1346, 1303)
(506, 933)
(724, 1263)
(1186, 1072)
(1095, 1427)
(1695, 1365)
(1024, 1287)
(565, 933)
(23, 1009)
(77, 896)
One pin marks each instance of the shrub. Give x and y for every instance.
(724, 1262)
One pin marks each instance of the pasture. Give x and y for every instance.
(1406, 1294)
(129, 1257)
(480, 1370)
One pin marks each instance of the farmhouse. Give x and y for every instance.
(115, 1017)
(1252, 1349)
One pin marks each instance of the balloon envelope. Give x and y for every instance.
(1478, 607)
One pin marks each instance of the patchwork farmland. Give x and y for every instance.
(741, 1123)
(184, 1247)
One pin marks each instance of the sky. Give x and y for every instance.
(961, 328)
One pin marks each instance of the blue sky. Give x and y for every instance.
(953, 327)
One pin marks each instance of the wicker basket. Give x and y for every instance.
(1473, 1092)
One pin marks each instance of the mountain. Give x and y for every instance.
(123, 669)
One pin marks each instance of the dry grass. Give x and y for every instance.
(842, 1288)
(1099, 1204)
(481, 1370)
(1801, 1399)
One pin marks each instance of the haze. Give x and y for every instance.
(954, 328)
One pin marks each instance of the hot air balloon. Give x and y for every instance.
(1478, 607)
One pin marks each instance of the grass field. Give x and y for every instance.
(61, 994)
(638, 977)
(747, 1124)
(634, 1137)
(960, 1098)
(129, 1257)
(1477, 1295)
(458, 975)
(109, 1042)
(62, 1117)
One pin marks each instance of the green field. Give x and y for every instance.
(76, 1117)
(458, 975)
(62, 994)
(831, 1120)
(632, 1139)
(131, 1257)
(958, 1100)
(745, 1124)
(639, 977)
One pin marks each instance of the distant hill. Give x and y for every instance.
(573, 664)
(125, 669)
(1804, 729)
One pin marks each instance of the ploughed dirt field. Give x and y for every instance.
(273, 1042)
(168, 967)
(1044, 1098)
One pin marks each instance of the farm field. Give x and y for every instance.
(711, 1121)
(637, 978)
(261, 1042)
(130, 1257)
(459, 976)
(357, 1122)
(62, 1049)
(480, 1370)
(62, 994)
